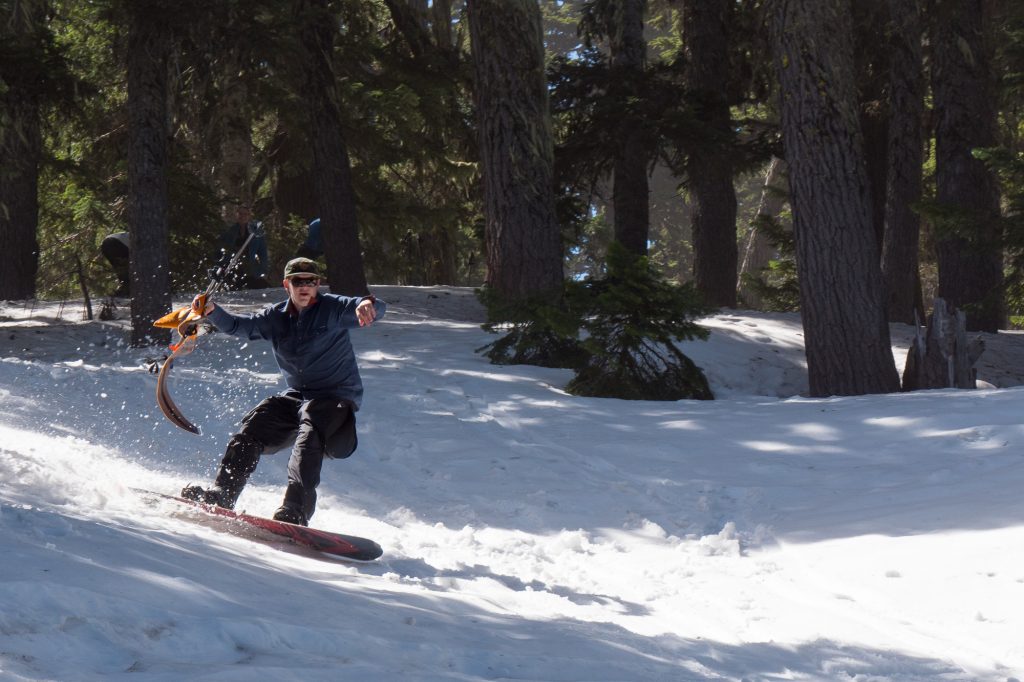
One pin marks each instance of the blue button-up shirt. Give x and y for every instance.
(312, 348)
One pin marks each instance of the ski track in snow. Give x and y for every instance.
(528, 534)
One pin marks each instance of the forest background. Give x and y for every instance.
(851, 160)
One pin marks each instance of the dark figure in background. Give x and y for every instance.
(315, 417)
(313, 247)
(252, 270)
(115, 249)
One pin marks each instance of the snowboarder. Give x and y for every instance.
(315, 416)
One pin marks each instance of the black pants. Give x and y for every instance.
(314, 429)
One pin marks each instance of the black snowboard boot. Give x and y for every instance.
(290, 514)
(293, 509)
(214, 495)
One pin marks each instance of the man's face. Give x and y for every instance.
(243, 215)
(302, 289)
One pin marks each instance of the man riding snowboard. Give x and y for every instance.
(315, 416)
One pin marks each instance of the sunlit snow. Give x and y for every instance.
(528, 534)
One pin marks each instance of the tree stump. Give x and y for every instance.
(940, 355)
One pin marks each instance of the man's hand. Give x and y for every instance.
(365, 312)
(200, 306)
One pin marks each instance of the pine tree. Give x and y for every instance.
(23, 42)
(906, 154)
(633, 146)
(332, 171)
(969, 237)
(149, 48)
(524, 251)
(633, 318)
(845, 328)
(709, 171)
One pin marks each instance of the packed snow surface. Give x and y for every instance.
(528, 534)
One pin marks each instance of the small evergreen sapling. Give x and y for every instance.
(632, 320)
(539, 331)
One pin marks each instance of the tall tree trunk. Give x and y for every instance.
(969, 250)
(845, 330)
(444, 240)
(874, 121)
(443, 269)
(441, 23)
(20, 150)
(293, 178)
(235, 123)
(759, 250)
(332, 170)
(149, 48)
(906, 155)
(409, 17)
(524, 250)
(871, 69)
(709, 171)
(426, 28)
(630, 191)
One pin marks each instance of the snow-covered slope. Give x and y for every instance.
(528, 534)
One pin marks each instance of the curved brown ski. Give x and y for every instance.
(163, 396)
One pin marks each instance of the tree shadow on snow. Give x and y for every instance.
(121, 596)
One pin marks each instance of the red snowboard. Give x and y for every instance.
(346, 546)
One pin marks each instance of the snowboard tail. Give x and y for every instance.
(336, 544)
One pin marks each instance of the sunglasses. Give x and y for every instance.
(304, 281)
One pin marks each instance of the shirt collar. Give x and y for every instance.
(289, 306)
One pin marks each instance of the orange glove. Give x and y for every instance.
(200, 306)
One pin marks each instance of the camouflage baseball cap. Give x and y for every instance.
(301, 266)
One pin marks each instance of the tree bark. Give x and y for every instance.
(410, 21)
(20, 152)
(524, 250)
(845, 331)
(630, 189)
(149, 48)
(759, 251)
(709, 170)
(426, 29)
(294, 194)
(969, 255)
(331, 167)
(441, 23)
(871, 77)
(235, 122)
(906, 156)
